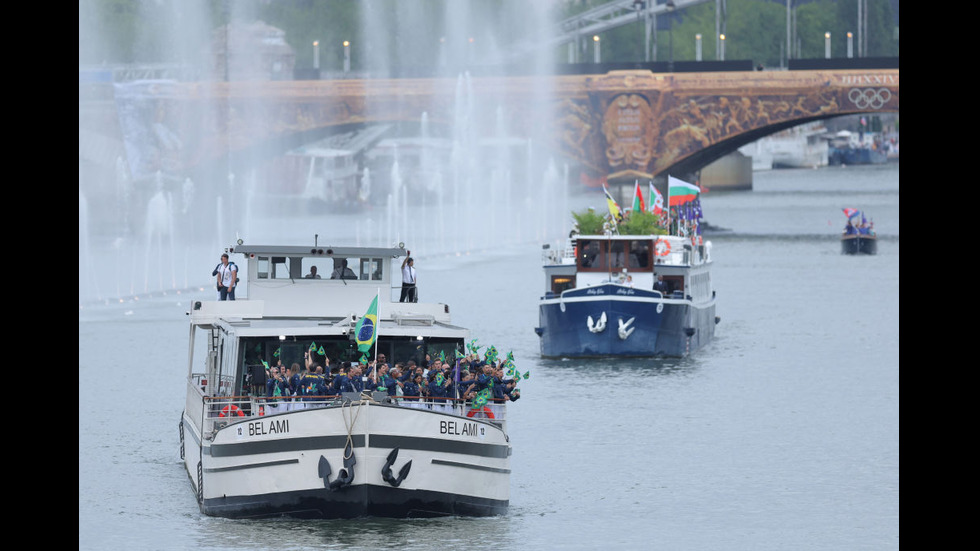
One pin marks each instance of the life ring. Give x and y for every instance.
(231, 410)
(484, 409)
(661, 247)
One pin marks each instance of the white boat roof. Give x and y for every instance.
(279, 297)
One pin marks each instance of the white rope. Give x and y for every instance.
(350, 426)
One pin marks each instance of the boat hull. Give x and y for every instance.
(290, 464)
(859, 244)
(660, 326)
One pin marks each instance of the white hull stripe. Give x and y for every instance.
(377, 441)
(469, 466)
(253, 466)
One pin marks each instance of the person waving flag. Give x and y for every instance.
(366, 330)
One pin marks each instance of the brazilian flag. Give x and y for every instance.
(366, 330)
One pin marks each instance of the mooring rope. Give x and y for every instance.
(350, 426)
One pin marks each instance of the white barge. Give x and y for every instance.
(349, 455)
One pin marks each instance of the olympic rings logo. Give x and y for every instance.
(869, 97)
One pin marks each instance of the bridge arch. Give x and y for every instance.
(630, 120)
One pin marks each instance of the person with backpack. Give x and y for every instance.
(227, 274)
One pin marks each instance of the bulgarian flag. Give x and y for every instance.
(680, 192)
(638, 204)
(657, 205)
(613, 206)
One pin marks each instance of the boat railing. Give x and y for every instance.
(219, 411)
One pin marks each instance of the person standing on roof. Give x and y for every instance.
(227, 274)
(409, 291)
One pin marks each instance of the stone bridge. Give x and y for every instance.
(622, 122)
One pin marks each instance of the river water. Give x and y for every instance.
(783, 433)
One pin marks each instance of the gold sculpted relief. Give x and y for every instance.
(627, 128)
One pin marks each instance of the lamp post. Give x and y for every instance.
(721, 40)
(670, 41)
(596, 54)
(346, 56)
(850, 44)
(826, 44)
(316, 54)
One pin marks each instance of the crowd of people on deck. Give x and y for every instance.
(431, 386)
(862, 228)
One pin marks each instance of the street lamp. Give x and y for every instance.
(697, 47)
(670, 44)
(596, 51)
(316, 54)
(826, 45)
(721, 40)
(346, 56)
(850, 44)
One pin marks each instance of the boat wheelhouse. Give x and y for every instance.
(249, 455)
(602, 297)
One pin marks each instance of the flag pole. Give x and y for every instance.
(377, 333)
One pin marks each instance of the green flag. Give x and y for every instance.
(366, 330)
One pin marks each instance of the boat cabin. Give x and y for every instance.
(632, 260)
(289, 309)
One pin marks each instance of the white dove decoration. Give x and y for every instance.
(597, 327)
(624, 328)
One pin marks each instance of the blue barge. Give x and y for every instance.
(628, 296)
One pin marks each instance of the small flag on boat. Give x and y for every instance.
(312, 346)
(851, 213)
(276, 353)
(366, 330)
(613, 206)
(473, 347)
(657, 200)
(442, 356)
(680, 192)
(321, 351)
(638, 204)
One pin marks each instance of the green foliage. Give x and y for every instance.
(589, 222)
(641, 223)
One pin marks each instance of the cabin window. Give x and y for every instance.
(343, 268)
(591, 256)
(616, 254)
(263, 267)
(280, 267)
(370, 269)
(560, 283)
(313, 268)
(639, 258)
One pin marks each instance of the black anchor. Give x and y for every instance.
(386, 470)
(344, 477)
